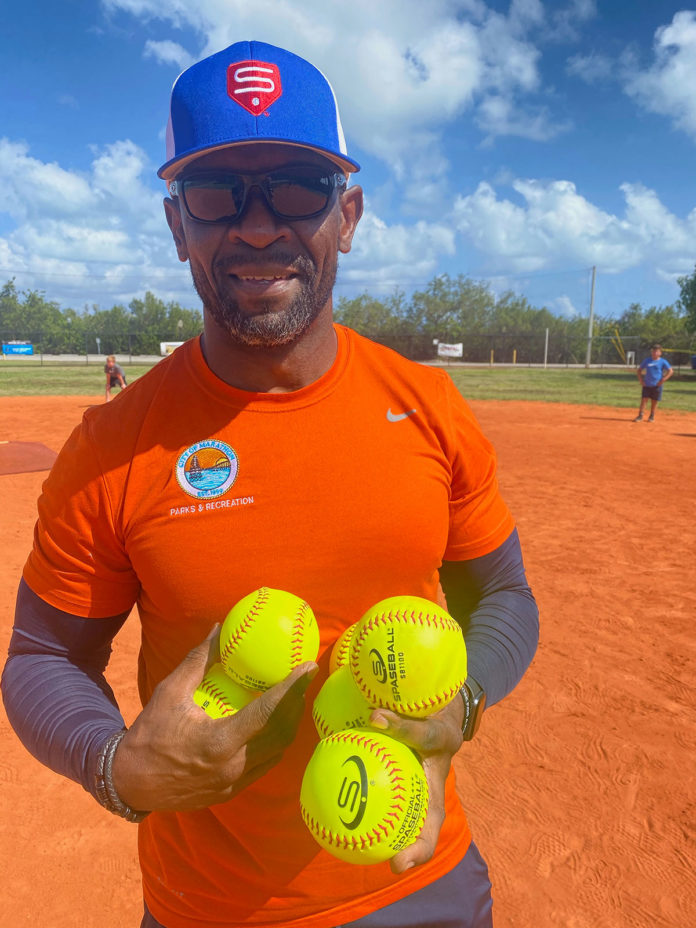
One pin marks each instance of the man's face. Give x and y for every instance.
(262, 279)
(656, 353)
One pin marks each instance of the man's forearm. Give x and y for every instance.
(60, 715)
(490, 597)
(54, 691)
(501, 641)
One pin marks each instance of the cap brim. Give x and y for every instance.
(174, 166)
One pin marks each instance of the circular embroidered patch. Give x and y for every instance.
(207, 469)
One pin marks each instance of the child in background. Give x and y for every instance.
(652, 373)
(115, 376)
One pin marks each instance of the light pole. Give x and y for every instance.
(588, 357)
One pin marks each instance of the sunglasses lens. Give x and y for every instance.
(291, 194)
(211, 199)
(294, 196)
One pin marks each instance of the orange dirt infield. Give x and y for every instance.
(580, 786)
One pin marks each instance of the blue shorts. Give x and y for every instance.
(459, 899)
(652, 393)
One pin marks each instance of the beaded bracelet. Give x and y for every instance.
(104, 785)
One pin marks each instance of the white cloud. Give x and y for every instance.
(117, 169)
(67, 240)
(582, 10)
(565, 23)
(499, 116)
(667, 87)
(167, 52)
(510, 59)
(102, 229)
(31, 187)
(592, 69)
(523, 12)
(396, 255)
(555, 226)
(563, 306)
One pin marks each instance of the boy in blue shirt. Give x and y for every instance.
(652, 373)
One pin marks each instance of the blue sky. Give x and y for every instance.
(518, 143)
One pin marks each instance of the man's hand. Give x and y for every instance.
(176, 757)
(436, 739)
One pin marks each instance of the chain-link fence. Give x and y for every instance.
(537, 349)
(532, 349)
(127, 347)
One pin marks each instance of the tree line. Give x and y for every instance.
(449, 309)
(136, 329)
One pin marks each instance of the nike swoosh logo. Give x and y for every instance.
(397, 417)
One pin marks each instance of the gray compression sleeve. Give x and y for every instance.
(53, 686)
(491, 599)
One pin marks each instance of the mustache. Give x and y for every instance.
(300, 263)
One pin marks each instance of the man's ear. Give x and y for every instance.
(351, 210)
(173, 214)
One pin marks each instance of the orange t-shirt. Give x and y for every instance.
(185, 495)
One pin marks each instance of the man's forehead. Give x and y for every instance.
(257, 156)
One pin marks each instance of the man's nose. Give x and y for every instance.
(258, 226)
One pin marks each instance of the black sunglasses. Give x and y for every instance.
(295, 192)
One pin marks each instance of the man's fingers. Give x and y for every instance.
(429, 735)
(408, 731)
(420, 852)
(213, 640)
(424, 846)
(286, 696)
(436, 739)
(423, 735)
(186, 677)
(289, 690)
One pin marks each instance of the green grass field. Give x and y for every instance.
(594, 386)
(59, 379)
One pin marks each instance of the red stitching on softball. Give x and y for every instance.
(402, 615)
(297, 640)
(322, 727)
(262, 596)
(219, 696)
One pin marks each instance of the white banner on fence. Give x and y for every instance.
(167, 347)
(450, 351)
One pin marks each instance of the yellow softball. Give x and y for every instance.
(339, 704)
(265, 635)
(219, 696)
(339, 652)
(364, 796)
(408, 655)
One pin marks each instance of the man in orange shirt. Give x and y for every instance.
(351, 475)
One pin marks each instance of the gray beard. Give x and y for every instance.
(268, 329)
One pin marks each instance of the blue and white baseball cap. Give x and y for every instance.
(252, 92)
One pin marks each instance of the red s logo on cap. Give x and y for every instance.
(255, 85)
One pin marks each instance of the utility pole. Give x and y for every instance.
(588, 357)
